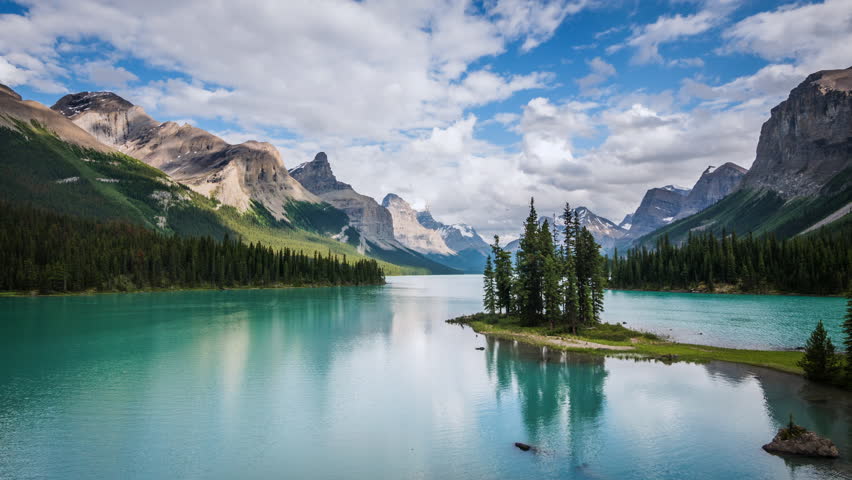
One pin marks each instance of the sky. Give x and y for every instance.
(467, 108)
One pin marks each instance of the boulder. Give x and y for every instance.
(525, 447)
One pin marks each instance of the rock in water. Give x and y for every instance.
(480, 348)
(798, 441)
(524, 446)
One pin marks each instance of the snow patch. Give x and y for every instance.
(68, 180)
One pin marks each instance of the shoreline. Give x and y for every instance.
(92, 292)
(733, 292)
(639, 343)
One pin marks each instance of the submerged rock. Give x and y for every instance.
(796, 440)
(525, 447)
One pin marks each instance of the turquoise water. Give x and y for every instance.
(765, 322)
(367, 382)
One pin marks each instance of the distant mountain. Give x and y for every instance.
(605, 231)
(424, 234)
(802, 174)
(714, 185)
(409, 231)
(242, 176)
(627, 222)
(458, 236)
(373, 223)
(658, 208)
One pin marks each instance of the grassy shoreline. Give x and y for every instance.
(629, 341)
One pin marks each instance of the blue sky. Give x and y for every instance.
(470, 108)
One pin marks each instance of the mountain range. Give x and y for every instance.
(95, 154)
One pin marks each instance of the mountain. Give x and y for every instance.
(627, 222)
(458, 237)
(409, 231)
(374, 223)
(802, 172)
(606, 232)
(50, 163)
(471, 250)
(658, 208)
(372, 220)
(713, 185)
(432, 238)
(242, 176)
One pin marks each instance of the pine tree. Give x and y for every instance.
(502, 276)
(571, 301)
(490, 299)
(551, 275)
(529, 271)
(847, 330)
(820, 361)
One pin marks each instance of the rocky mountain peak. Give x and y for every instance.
(317, 175)
(4, 90)
(74, 104)
(806, 141)
(714, 184)
(393, 199)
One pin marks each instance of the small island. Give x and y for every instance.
(552, 295)
(796, 440)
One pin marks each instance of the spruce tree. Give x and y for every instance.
(551, 275)
(820, 361)
(529, 271)
(502, 276)
(570, 308)
(490, 299)
(847, 330)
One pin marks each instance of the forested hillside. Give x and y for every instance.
(49, 253)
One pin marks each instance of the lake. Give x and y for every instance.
(369, 382)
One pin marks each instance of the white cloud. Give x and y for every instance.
(815, 36)
(534, 20)
(600, 72)
(328, 68)
(648, 38)
(104, 74)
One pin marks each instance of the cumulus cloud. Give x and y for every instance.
(815, 36)
(104, 74)
(334, 67)
(600, 72)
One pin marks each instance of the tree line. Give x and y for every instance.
(548, 283)
(53, 253)
(818, 263)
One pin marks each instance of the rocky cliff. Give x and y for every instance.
(371, 219)
(409, 231)
(713, 185)
(801, 177)
(236, 175)
(458, 237)
(658, 208)
(807, 139)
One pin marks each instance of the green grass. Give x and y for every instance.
(645, 344)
